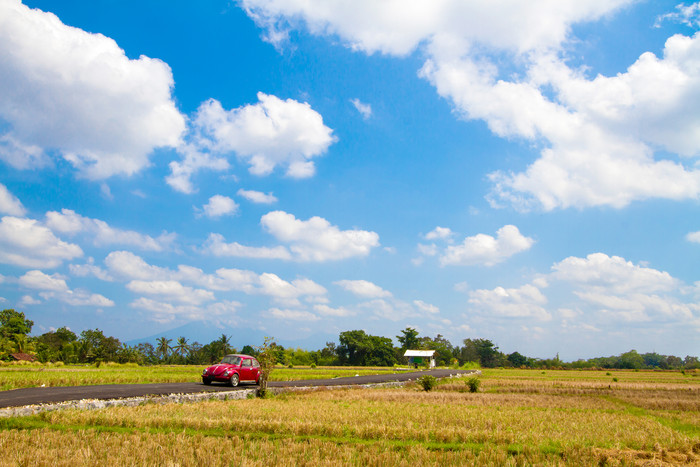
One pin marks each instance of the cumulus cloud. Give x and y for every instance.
(90, 270)
(38, 280)
(693, 237)
(316, 239)
(171, 291)
(339, 312)
(439, 233)
(27, 243)
(217, 246)
(10, 204)
(257, 196)
(75, 92)
(71, 223)
(154, 280)
(163, 312)
(599, 271)
(487, 250)
(54, 287)
(620, 290)
(426, 307)
(364, 109)
(524, 302)
(363, 288)
(605, 139)
(272, 133)
(218, 206)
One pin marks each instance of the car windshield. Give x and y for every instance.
(231, 360)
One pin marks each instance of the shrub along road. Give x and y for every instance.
(47, 395)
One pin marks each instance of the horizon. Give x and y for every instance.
(520, 173)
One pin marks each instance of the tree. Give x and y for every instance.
(516, 359)
(408, 339)
(182, 346)
(249, 350)
(267, 360)
(95, 346)
(14, 322)
(631, 360)
(488, 353)
(50, 345)
(163, 346)
(442, 347)
(359, 348)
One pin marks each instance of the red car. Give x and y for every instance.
(232, 370)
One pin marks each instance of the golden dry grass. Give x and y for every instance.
(518, 419)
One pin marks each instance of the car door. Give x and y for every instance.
(247, 370)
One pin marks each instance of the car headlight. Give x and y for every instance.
(204, 372)
(226, 372)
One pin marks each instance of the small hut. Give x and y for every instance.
(418, 358)
(22, 357)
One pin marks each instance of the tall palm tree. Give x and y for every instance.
(225, 342)
(182, 346)
(163, 346)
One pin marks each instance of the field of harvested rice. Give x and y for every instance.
(518, 417)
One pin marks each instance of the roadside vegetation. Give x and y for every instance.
(354, 348)
(517, 417)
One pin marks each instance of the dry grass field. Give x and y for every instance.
(518, 417)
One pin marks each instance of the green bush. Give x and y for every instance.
(473, 384)
(427, 382)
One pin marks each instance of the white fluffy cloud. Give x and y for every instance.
(363, 288)
(9, 204)
(312, 240)
(218, 206)
(216, 245)
(257, 196)
(163, 312)
(619, 290)
(38, 280)
(439, 233)
(487, 250)
(170, 290)
(69, 222)
(316, 239)
(25, 242)
(272, 133)
(524, 302)
(693, 237)
(155, 280)
(604, 138)
(69, 90)
(54, 287)
(612, 273)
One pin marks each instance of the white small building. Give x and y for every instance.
(418, 358)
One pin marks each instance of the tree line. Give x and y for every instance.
(354, 348)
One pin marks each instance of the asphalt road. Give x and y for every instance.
(49, 395)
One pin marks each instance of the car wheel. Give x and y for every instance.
(234, 380)
(206, 381)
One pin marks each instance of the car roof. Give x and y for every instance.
(238, 355)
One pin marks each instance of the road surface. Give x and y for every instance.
(52, 395)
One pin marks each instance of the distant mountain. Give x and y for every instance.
(205, 333)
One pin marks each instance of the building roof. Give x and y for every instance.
(419, 353)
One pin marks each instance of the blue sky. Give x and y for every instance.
(525, 172)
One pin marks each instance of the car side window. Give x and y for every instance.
(246, 362)
(255, 363)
